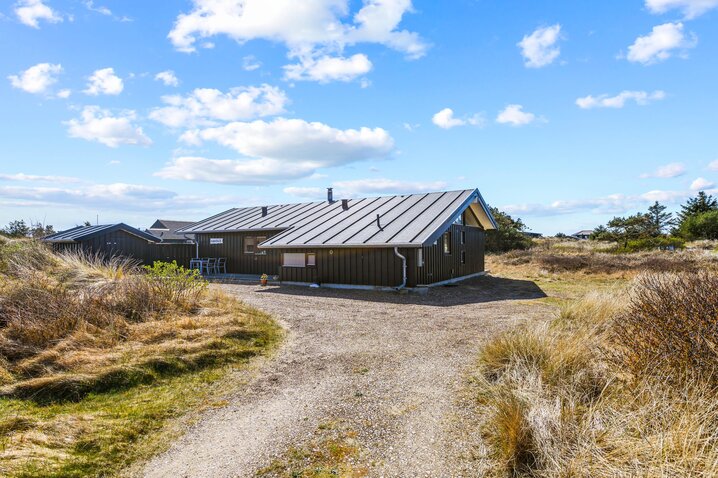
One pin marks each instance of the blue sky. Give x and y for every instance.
(563, 113)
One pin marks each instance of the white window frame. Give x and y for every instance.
(299, 259)
(311, 259)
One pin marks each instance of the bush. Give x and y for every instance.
(176, 285)
(652, 243)
(670, 326)
(701, 226)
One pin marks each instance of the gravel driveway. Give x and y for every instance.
(391, 366)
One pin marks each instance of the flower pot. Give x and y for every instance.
(263, 282)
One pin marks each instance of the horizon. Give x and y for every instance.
(117, 112)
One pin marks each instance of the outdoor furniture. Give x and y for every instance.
(196, 264)
(220, 266)
(209, 265)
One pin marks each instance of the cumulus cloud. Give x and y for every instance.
(30, 12)
(96, 124)
(328, 68)
(206, 106)
(672, 170)
(701, 184)
(104, 82)
(515, 116)
(310, 30)
(539, 48)
(36, 79)
(167, 77)
(445, 119)
(713, 165)
(276, 151)
(619, 101)
(661, 44)
(690, 8)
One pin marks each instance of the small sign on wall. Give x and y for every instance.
(216, 240)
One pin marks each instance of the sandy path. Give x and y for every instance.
(389, 365)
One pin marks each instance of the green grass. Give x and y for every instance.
(103, 433)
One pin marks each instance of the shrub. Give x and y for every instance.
(175, 284)
(652, 243)
(701, 226)
(670, 326)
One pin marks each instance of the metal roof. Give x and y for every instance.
(82, 233)
(165, 229)
(410, 220)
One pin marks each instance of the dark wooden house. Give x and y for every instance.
(393, 241)
(166, 231)
(120, 240)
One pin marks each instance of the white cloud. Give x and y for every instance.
(250, 63)
(114, 196)
(278, 150)
(515, 116)
(96, 124)
(445, 119)
(90, 5)
(660, 44)
(689, 8)
(38, 178)
(104, 82)
(363, 187)
(36, 79)
(666, 171)
(328, 68)
(701, 184)
(206, 106)
(64, 94)
(167, 77)
(713, 165)
(619, 101)
(310, 30)
(539, 48)
(30, 12)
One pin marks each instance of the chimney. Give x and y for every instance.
(264, 211)
(330, 195)
(345, 204)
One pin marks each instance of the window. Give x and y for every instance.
(463, 257)
(447, 242)
(311, 259)
(463, 237)
(293, 259)
(459, 220)
(251, 242)
(420, 258)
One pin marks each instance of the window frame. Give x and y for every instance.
(447, 243)
(463, 237)
(304, 260)
(463, 257)
(313, 262)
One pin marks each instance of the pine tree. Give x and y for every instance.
(698, 205)
(659, 219)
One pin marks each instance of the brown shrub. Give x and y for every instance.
(670, 325)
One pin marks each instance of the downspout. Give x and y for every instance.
(403, 268)
(196, 245)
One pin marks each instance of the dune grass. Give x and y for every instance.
(573, 397)
(99, 358)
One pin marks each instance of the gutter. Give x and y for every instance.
(196, 245)
(403, 268)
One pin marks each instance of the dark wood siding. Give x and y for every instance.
(439, 266)
(121, 243)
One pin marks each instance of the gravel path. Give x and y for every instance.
(391, 366)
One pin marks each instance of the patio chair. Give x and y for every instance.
(211, 265)
(220, 267)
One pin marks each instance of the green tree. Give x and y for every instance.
(700, 226)
(600, 234)
(509, 235)
(698, 205)
(659, 219)
(625, 229)
(17, 229)
(39, 231)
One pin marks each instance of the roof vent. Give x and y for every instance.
(264, 211)
(345, 204)
(330, 195)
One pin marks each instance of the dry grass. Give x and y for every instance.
(95, 355)
(556, 405)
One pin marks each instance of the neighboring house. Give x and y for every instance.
(119, 240)
(414, 239)
(532, 235)
(584, 234)
(165, 229)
